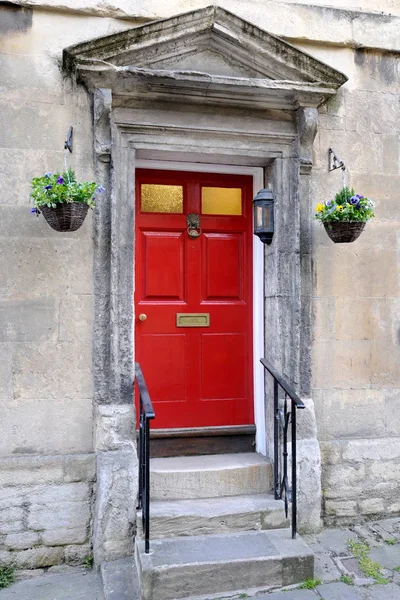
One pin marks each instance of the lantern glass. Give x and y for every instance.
(264, 215)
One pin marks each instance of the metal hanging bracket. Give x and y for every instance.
(69, 141)
(334, 162)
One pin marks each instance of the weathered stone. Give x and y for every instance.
(333, 591)
(209, 476)
(21, 541)
(29, 470)
(114, 426)
(42, 427)
(37, 557)
(75, 320)
(341, 509)
(67, 515)
(80, 468)
(28, 321)
(62, 537)
(114, 516)
(350, 412)
(57, 494)
(215, 515)
(372, 506)
(361, 450)
(29, 573)
(76, 555)
(210, 564)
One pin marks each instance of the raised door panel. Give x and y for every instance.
(168, 354)
(163, 265)
(224, 365)
(222, 266)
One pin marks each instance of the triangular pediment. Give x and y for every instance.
(208, 44)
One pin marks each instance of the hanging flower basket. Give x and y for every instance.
(343, 232)
(345, 216)
(65, 217)
(63, 201)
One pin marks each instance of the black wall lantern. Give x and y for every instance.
(263, 204)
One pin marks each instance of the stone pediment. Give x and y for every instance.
(204, 53)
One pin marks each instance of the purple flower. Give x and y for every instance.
(35, 211)
(60, 180)
(48, 187)
(49, 174)
(329, 203)
(100, 189)
(354, 200)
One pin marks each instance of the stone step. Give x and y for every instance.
(207, 516)
(188, 567)
(212, 476)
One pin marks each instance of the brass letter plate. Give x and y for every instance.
(193, 319)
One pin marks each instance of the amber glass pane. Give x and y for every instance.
(162, 198)
(221, 201)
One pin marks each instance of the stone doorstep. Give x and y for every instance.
(191, 566)
(212, 476)
(208, 516)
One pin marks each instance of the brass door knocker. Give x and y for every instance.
(193, 223)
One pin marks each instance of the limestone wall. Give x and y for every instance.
(356, 348)
(45, 510)
(46, 305)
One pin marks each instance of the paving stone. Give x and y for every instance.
(387, 556)
(391, 591)
(325, 569)
(293, 595)
(341, 591)
(120, 580)
(331, 540)
(71, 586)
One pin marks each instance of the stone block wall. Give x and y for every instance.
(45, 510)
(356, 345)
(361, 479)
(46, 278)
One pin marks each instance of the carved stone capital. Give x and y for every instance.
(102, 101)
(307, 126)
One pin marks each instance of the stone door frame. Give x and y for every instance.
(120, 141)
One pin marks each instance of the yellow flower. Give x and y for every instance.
(320, 207)
(339, 208)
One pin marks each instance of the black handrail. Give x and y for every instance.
(146, 413)
(282, 419)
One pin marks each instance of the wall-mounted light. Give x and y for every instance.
(263, 206)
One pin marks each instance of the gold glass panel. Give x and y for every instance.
(221, 201)
(162, 198)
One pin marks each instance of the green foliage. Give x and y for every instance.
(347, 580)
(397, 569)
(55, 188)
(6, 577)
(346, 206)
(310, 584)
(390, 541)
(243, 596)
(358, 549)
(369, 567)
(88, 562)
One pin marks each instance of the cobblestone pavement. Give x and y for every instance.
(366, 568)
(358, 563)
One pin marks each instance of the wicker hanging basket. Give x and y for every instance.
(343, 231)
(66, 217)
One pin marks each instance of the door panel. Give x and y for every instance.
(197, 376)
(167, 248)
(222, 266)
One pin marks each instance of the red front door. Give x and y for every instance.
(193, 297)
